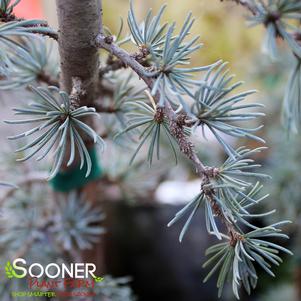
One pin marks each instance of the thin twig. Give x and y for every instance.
(246, 4)
(47, 79)
(117, 64)
(177, 131)
(5, 18)
(53, 36)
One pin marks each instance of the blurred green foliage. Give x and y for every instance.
(222, 28)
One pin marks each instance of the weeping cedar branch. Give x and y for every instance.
(225, 191)
(176, 123)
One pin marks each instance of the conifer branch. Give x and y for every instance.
(175, 103)
(176, 124)
(186, 146)
(225, 191)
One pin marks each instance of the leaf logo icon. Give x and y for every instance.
(98, 279)
(10, 272)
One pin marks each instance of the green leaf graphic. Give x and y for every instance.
(98, 279)
(9, 270)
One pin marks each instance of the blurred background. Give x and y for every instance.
(137, 242)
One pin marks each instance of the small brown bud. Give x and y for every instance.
(109, 39)
(159, 116)
(212, 172)
(181, 118)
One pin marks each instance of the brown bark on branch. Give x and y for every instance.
(79, 24)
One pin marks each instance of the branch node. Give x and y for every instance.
(211, 172)
(109, 39)
(159, 115)
(186, 147)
